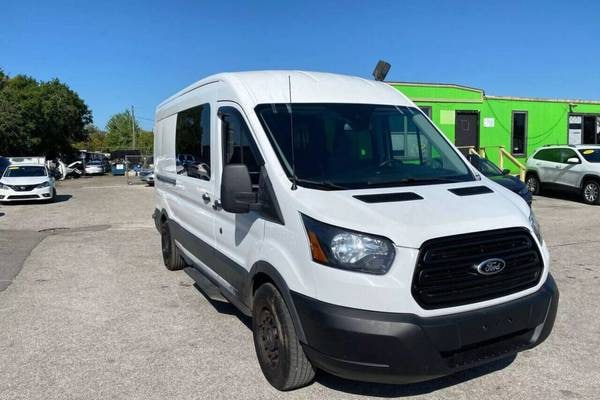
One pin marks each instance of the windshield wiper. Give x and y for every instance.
(412, 181)
(320, 184)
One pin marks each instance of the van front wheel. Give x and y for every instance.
(171, 257)
(280, 355)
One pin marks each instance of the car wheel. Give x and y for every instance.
(591, 192)
(171, 257)
(533, 184)
(280, 355)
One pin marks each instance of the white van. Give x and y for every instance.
(361, 242)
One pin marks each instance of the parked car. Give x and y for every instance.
(349, 228)
(568, 168)
(501, 177)
(4, 163)
(27, 182)
(147, 175)
(94, 168)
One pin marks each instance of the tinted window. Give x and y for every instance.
(552, 155)
(238, 145)
(192, 142)
(360, 145)
(519, 132)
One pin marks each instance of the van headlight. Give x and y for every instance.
(3, 186)
(346, 249)
(535, 225)
(43, 185)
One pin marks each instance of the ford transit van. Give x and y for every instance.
(333, 212)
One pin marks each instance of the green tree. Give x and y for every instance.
(96, 140)
(119, 135)
(40, 118)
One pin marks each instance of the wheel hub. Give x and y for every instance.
(269, 337)
(591, 192)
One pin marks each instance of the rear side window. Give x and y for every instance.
(238, 145)
(552, 155)
(192, 142)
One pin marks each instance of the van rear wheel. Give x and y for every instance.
(280, 355)
(171, 257)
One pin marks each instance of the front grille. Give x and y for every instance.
(446, 275)
(22, 188)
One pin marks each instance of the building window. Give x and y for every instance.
(192, 142)
(519, 133)
(426, 110)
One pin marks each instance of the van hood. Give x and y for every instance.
(25, 180)
(408, 223)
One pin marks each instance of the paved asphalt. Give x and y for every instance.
(93, 314)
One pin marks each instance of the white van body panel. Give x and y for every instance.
(407, 224)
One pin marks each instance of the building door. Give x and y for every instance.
(590, 130)
(466, 130)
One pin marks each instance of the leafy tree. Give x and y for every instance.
(96, 140)
(119, 135)
(40, 118)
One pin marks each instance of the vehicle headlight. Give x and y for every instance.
(535, 225)
(3, 186)
(43, 185)
(346, 249)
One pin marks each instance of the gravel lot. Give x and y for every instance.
(90, 312)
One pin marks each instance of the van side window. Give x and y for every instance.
(192, 142)
(238, 145)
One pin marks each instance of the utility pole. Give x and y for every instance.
(133, 126)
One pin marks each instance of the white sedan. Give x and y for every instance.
(27, 182)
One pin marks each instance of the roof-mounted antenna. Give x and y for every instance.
(294, 178)
(381, 70)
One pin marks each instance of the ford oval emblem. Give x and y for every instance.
(491, 266)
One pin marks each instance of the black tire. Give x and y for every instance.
(53, 198)
(280, 355)
(171, 257)
(533, 184)
(590, 191)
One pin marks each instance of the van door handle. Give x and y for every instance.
(216, 205)
(205, 197)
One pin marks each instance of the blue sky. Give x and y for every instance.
(121, 53)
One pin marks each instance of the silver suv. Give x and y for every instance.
(570, 168)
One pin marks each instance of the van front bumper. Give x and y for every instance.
(405, 348)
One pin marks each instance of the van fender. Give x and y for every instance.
(588, 177)
(262, 269)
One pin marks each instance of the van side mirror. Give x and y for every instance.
(573, 160)
(506, 172)
(236, 190)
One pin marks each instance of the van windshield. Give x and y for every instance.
(356, 146)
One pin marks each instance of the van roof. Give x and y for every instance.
(266, 87)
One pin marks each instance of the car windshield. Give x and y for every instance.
(355, 146)
(591, 155)
(24, 171)
(486, 167)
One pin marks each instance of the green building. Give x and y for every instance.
(500, 126)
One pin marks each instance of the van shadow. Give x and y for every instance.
(214, 297)
(412, 389)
